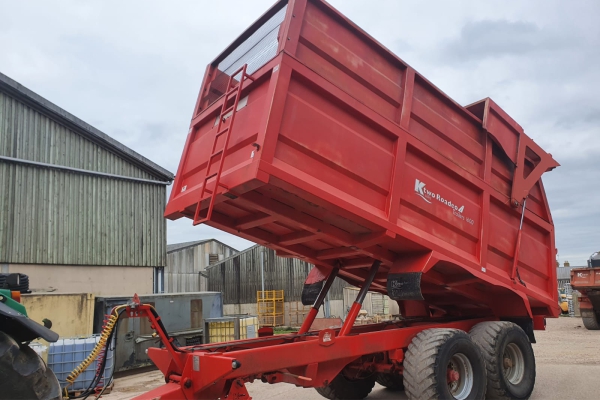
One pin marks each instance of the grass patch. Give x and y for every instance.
(283, 330)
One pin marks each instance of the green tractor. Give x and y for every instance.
(23, 374)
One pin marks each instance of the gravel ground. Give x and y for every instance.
(567, 356)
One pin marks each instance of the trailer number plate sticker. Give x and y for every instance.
(196, 363)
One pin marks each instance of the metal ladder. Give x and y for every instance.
(232, 92)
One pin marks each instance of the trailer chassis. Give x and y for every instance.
(305, 359)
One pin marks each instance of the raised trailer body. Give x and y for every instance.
(312, 138)
(341, 153)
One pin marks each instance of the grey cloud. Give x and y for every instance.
(155, 131)
(586, 115)
(497, 38)
(572, 191)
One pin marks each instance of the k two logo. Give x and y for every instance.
(428, 195)
(420, 190)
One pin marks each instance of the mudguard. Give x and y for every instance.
(21, 328)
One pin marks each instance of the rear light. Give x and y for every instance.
(16, 296)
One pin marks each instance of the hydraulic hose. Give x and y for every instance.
(106, 331)
(106, 337)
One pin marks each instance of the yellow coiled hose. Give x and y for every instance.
(108, 327)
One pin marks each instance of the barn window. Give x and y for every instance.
(213, 259)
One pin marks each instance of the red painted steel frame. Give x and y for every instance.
(308, 360)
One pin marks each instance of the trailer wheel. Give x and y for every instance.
(390, 381)
(590, 320)
(23, 374)
(444, 364)
(508, 357)
(342, 388)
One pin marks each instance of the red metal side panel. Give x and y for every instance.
(322, 141)
(365, 72)
(445, 129)
(441, 204)
(238, 162)
(344, 154)
(585, 278)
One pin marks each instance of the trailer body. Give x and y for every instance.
(341, 153)
(312, 138)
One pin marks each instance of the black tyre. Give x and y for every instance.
(23, 374)
(342, 388)
(508, 357)
(444, 364)
(390, 381)
(590, 320)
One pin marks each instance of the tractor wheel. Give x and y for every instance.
(444, 364)
(391, 381)
(342, 388)
(23, 374)
(508, 357)
(590, 320)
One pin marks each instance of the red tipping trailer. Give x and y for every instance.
(312, 138)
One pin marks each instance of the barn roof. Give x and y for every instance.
(180, 246)
(40, 104)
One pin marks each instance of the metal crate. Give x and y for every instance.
(68, 353)
(270, 307)
(231, 327)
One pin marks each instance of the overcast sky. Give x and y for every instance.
(133, 70)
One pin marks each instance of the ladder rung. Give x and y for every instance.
(240, 69)
(209, 191)
(237, 71)
(216, 153)
(226, 111)
(249, 77)
(221, 132)
(231, 91)
(209, 176)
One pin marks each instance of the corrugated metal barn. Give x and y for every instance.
(563, 275)
(187, 262)
(79, 211)
(239, 277)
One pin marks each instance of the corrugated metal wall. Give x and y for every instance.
(57, 217)
(25, 133)
(239, 277)
(183, 266)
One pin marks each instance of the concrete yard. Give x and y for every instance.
(567, 356)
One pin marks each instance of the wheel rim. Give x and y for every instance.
(460, 376)
(513, 363)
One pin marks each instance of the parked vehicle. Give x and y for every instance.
(313, 139)
(563, 302)
(587, 282)
(23, 374)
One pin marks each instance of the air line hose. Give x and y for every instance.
(106, 331)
